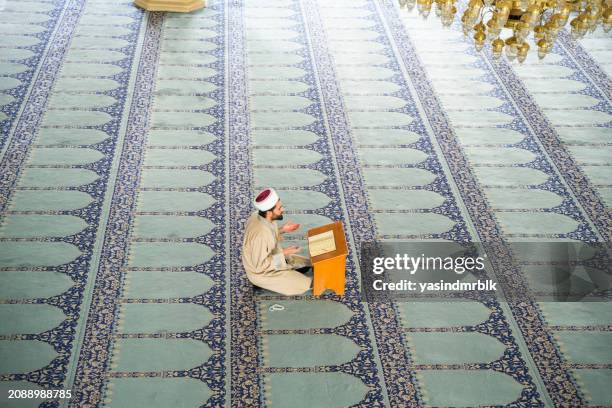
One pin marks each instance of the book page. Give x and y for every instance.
(321, 243)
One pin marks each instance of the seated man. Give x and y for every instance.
(267, 264)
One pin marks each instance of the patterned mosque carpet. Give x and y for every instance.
(132, 144)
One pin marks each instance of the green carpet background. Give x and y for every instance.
(132, 144)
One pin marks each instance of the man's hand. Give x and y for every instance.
(289, 227)
(291, 250)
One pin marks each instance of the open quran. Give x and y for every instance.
(321, 243)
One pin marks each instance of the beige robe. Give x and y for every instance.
(264, 262)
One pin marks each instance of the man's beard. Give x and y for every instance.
(277, 217)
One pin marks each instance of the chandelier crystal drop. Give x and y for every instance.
(484, 20)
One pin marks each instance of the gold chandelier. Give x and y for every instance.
(484, 20)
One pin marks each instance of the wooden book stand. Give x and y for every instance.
(329, 268)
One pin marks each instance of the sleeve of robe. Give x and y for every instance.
(258, 255)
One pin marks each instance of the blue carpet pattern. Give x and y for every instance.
(132, 144)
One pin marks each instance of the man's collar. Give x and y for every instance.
(263, 219)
